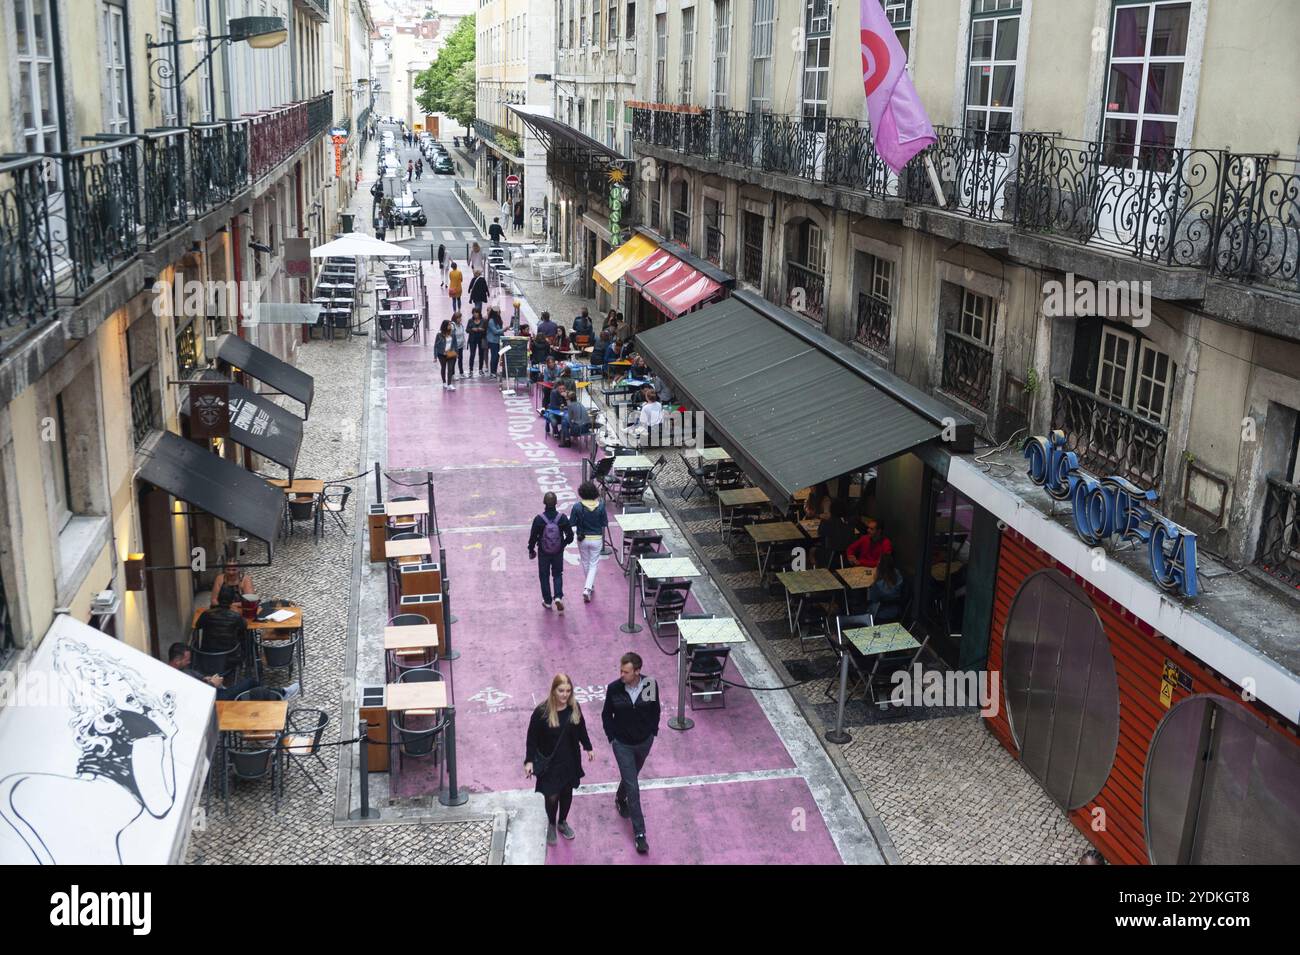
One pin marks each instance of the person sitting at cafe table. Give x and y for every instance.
(538, 350)
(222, 630)
(835, 535)
(180, 657)
(652, 413)
(867, 550)
(818, 505)
(232, 577)
(547, 328)
(561, 339)
(576, 420)
(886, 598)
(582, 324)
(550, 370)
(610, 322)
(555, 405)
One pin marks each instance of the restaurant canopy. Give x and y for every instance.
(355, 244)
(108, 765)
(265, 367)
(672, 285)
(791, 409)
(195, 475)
(628, 255)
(259, 424)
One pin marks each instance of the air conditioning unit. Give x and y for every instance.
(105, 603)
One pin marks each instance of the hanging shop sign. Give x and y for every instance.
(210, 409)
(1106, 508)
(618, 196)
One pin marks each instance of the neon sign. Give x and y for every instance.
(1114, 507)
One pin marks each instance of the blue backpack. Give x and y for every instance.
(552, 539)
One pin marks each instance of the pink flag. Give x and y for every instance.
(898, 121)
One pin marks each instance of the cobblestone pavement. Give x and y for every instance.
(944, 788)
(319, 575)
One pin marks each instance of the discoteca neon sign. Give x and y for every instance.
(1110, 507)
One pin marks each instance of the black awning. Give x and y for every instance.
(259, 424)
(562, 140)
(790, 413)
(265, 367)
(704, 266)
(186, 471)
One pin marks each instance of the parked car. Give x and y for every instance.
(444, 165)
(407, 211)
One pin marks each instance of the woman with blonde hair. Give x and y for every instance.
(551, 754)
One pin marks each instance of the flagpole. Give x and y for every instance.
(935, 184)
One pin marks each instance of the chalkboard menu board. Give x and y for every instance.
(517, 358)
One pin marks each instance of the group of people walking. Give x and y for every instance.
(481, 337)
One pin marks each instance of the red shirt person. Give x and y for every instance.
(867, 550)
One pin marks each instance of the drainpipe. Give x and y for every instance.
(225, 65)
(56, 32)
(130, 68)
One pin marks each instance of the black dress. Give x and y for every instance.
(565, 770)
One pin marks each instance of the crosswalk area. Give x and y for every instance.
(450, 235)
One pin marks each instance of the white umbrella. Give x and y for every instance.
(357, 244)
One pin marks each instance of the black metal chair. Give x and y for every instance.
(404, 661)
(700, 477)
(658, 468)
(632, 485)
(266, 694)
(253, 762)
(667, 604)
(704, 670)
(728, 477)
(301, 740)
(334, 502)
(302, 507)
(222, 663)
(418, 742)
(282, 655)
(408, 620)
(738, 518)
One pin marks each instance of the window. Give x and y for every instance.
(752, 258)
(661, 57)
(595, 118)
(35, 48)
(978, 317)
(187, 349)
(1148, 47)
(627, 130)
(721, 51)
(713, 235)
(613, 22)
(630, 25)
(204, 71)
(1151, 397)
(611, 123)
(167, 35)
(681, 196)
(760, 85)
(582, 23)
(116, 119)
(875, 283)
(1113, 365)
(805, 278)
(688, 54)
(816, 63)
(1134, 374)
(899, 13)
(655, 188)
(62, 482)
(991, 69)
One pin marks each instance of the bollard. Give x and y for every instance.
(631, 626)
(365, 812)
(445, 651)
(452, 796)
(681, 721)
(379, 485)
(838, 735)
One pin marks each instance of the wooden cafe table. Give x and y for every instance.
(263, 718)
(299, 486)
(399, 640)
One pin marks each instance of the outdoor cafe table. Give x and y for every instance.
(412, 547)
(299, 486)
(634, 523)
(714, 454)
(856, 578)
(632, 461)
(697, 632)
(406, 508)
(666, 568)
(418, 637)
(395, 328)
(804, 583)
(410, 697)
(878, 641)
(772, 532)
(247, 716)
(267, 628)
(739, 497)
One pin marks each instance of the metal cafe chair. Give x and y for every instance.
(282, 655)
(667, 604)
(253, 762)
(334, 502)
(301, 740)
(418, 742)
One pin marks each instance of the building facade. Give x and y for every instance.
(1112, 258)
(137, 163)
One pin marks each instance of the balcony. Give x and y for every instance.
(967, 369)
(504, 140)
(1109, 438)
(1230, 216)
(1279, 536)
(873, 323)
(681, 227)
(143, 420)
(806, 291)
(27, 276)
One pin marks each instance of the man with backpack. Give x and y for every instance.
(551, 533)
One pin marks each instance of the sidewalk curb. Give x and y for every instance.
(855, 787)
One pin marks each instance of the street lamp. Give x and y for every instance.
(261, 33)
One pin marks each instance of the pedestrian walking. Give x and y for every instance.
(589, 521)
(454, 280)
(476, 258)
(492, 337)
(519, 215)
(444, 349)
(410, 170)
(631, 722)
(555, 732)
(459, 338)
(505, 210)
(495, 232)
(419, 168)
(475, 331)
(444, 260)
(551, 533)
(478, 291)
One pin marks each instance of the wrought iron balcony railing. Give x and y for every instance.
(1279, 531)
(1236, 215)
(873, 323)
(806, 291)
(143, 419)
(967, 369)
(713, 244)
(1109, 438)
(681, 227)
(27, 277)
(166, 200)
(97, 222)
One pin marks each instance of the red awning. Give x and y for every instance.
(678, 291)
(653, 267)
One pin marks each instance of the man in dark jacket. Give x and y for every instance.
(478, 291)
(631, 721)
(551, 533)
(222, 630)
